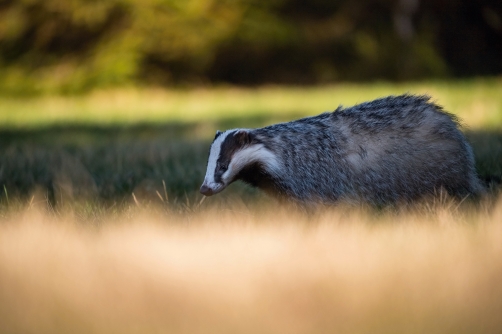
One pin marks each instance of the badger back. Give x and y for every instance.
(230, 154)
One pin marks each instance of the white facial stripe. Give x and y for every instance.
(214, 153)
(248, 155)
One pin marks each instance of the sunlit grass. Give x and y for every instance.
(243, 271)
(477, 101)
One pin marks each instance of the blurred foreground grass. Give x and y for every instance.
(247, 271)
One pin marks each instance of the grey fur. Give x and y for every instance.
(390, 150)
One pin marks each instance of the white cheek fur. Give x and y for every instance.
(248, 155)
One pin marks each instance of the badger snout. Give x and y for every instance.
(206, 191)
(211, 188)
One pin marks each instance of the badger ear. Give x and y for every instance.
(243, 137)
(218, 133)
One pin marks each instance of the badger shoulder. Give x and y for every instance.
(404, 115)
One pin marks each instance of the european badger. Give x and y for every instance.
(394, 149)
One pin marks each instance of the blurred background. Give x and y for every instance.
(72, 46)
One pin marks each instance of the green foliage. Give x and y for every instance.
(72, 46)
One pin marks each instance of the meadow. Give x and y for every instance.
(102, 228)
(107, 145)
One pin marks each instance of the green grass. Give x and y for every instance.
(106, 146)
(478, 102)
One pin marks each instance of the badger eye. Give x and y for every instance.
(222, 167)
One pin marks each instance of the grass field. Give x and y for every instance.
(478, 102)
(102, 229)
(105, 146)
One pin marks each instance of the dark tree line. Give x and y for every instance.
(74, 45)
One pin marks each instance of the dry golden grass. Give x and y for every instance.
(241, 271)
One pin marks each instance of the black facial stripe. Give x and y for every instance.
(228, 148)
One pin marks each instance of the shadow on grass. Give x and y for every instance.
(107, 164)
(487, 147)
(67, 163)
(84, 134)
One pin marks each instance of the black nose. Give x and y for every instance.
(205, 190)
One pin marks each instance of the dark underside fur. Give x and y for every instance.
(394, 149)
(257, 176)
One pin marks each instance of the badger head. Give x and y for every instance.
(230, 152)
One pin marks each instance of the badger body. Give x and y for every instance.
(390, 150)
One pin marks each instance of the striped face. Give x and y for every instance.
(222, 166)
(230, 152)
